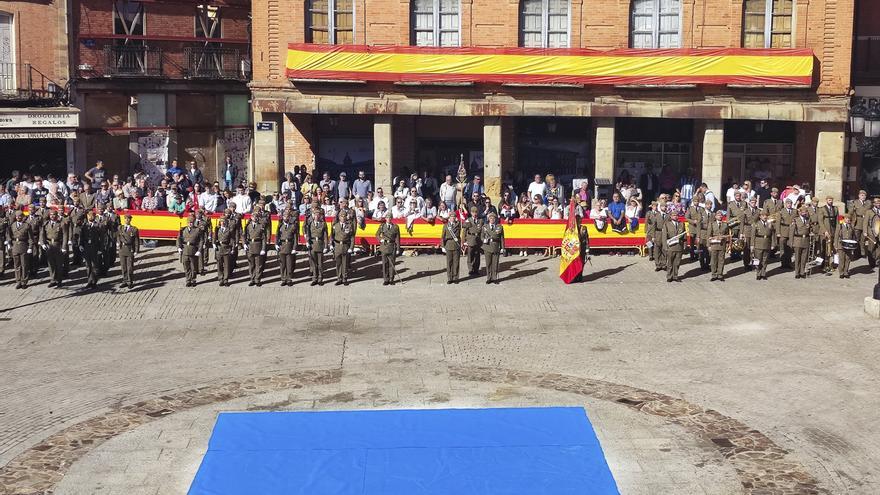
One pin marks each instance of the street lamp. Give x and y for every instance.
(857, 117)
(864, 119)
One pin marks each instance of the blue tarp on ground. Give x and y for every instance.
(438, 451)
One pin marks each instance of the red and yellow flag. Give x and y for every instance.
(571, 263)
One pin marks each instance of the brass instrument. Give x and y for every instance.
(875, 226)
(737, 245)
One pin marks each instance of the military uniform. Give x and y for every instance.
(735, 213)
(717, 247)
(388, 236)
(316, 237)
(844, 232)
(4, 247)
(254, 241)
(772, 206)
(751, 215)
(129, 240)
(189, 242)
(111, 223)
(650, 231)
(237, 227)
(872, 245)
(799, 240)
(53, 238)
(35, 220)
(226, 237)
(694, 221)
(450, 240)
(705, 217)
(857, 210)
(204, 223)
(343, 241)
(472, 231)
(21, 240)
(92, 244)
(659, 249)
(286, 241)
(762, 234)
(493, 245)
(672, 240)
(76, 219)
(783, 230)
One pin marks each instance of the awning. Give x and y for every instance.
(730, 66)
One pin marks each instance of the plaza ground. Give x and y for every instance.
(697, 387)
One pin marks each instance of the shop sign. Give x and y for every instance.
(39, 135)
(31, 120)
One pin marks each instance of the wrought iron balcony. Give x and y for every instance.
(24, 83)
(216, 63)
(133, 61)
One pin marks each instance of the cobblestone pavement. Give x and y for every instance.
(698, 387)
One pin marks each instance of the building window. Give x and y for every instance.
(151, 110)
(7, 54)
(656, 24)
(128, 18)
(331, 21)
(767, 23)
(208, 22)
(544, 23)
(436, 23)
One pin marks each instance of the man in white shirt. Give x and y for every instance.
(379, 197)
(730, 195)
(242, 201)
(398, 210)
(708, 195)
(208, 201)
(448, 192)
(537, 188)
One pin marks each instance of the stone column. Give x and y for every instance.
(266, 169)
(829, 163)
(383, 151)
(713, 156)
(492, 149)
(604, 131)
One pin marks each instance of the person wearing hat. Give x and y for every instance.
(189, 244)
(799, 232)
(659, 249)
(828, 218)
(225, 243)
(53, 240)
(844, 232)
(22, 244)
(705, 218)
(761, 242)
(750, 217)
(286, 241)
(92, 239)
(254, 240)
(316, 240)
(388, 236)
(473, 228)
(717, 238)
(650, 228)
(872, 223)
(670, 236)
(492, 234)
(128, 240)
(450, 242)
(857, 209)
(773, 206)
(786, 216)
(343, 187)
(342, 234)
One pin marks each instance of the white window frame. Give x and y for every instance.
(331, 22)
(545, 24)
(9, 82)
(655, 25)
(768, 24)
(437, 30)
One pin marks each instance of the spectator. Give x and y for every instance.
(223, 199)
(289, 183)
(601, 215)
(730, 195)
(281, 203)
(448, 192)
(379, 198)
(208, 199)
(583, 193)
(309, 187)
(666, 180)
(688, 186)
(649, 183)
(72, 184)
(243, 203)
(327, 181)
(402, 190)
(443, 212)
(555, 210)
(762, 191)
(343, 187)
(173, 169)
(539, 209)
(362, 186)
(429, 211)
(708, 195)
(229, 174)
(748, 192)
(537, 188)
(37, 191)
(555, 189)
(398, 210)
(5, 198)
(430, 187)
(136, 201)
(328, 207)
(252, 192)
(475, 186)
(119, 201)
(677, 206)
(361, 212)
(177, 204)
(161, 199)
(413, 196)
(380, 211)
(103, 196)
(96, 174)
(195, 175)
(617, 213)
(633, 210)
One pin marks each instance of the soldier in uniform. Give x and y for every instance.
(450, 240)
(473, 228)
(128, 240)
(316, 240)
(388, 236)
(671, 235)
(659, 249)
(21, 240)
(92, 241)
(717, 237)
(786, 216)
(4, 244)
(856, 210)
(226, 239)
(735, 219)
(254, 241)
(799, 233)
(826, 224)
(37, 217)
(76, 219)
(772, 206)
(761, 242)
(53, 240)
(651, 229)
(189, 243)
(203, 221)
(705, 215)
(286, 242)
(693, 216)
(750, 216)
(343, 239)
(872, 243)
(235, 225)
(845, 232)
(111, 224)
(492, 234)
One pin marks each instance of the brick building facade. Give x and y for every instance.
(162, 80)
(36, 124)
(865, 163)
(722, 130)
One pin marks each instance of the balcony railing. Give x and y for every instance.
(216, 63)
(25, 83)
(133, 61)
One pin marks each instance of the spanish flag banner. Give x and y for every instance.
(737, 66)
(571, 263)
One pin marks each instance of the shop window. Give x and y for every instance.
(768, 23)
(151, 110)
(656, 24)
(236, 110)
(544, 23)
(754, 161)
(330, 21)
(436, 23)
(663, 158)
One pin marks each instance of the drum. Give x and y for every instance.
(849, 245)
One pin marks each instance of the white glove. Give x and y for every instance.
(198, 253)
(277, 247)
(63, 251)
(179, 251)
(502, 250)
(262, 253)
(245, 248)
(45, 247)
(30, 251)
(444, 250)
(350, 251)
(70, 243)
(326, 250)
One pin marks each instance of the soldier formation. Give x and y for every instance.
(803, 238)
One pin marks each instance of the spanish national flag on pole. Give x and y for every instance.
(571, 263)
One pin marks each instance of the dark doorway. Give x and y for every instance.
(33, 156)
